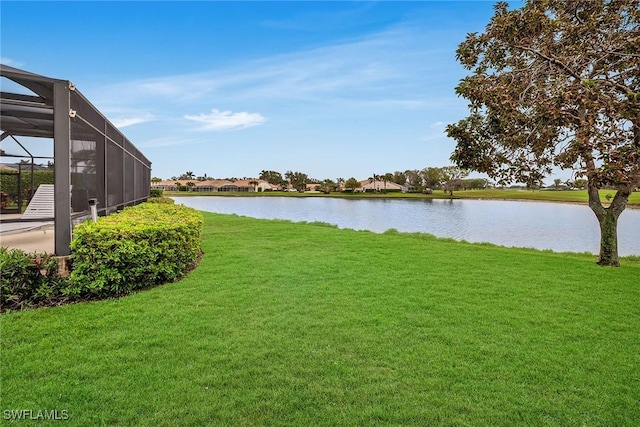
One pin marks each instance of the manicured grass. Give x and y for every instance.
(569, 196)
(578, 196)
(305, 324)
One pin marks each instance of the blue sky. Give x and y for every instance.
(331, 89)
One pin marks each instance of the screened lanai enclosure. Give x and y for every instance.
(92, 161)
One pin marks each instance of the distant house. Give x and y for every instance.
(212, 184)
(204, 186)
(253, 185)
(378, 185)
(172, 185)
(313, 186)
(231, 186)
(166, 185)
(408, 188)
(246, 185)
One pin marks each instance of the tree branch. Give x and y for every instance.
(552, 60)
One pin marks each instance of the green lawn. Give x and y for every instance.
(579, 196)
(305, 324)
(569, 196)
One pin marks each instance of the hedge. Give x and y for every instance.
(142, 246)
(29, 280)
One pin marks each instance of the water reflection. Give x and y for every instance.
(556, 226)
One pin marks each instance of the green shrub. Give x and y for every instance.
(144, 245)
(167, 200)
(155, 192)
(28, 280)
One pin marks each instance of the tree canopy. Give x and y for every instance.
(556, 83)
(298, 180)
(272, 177)
(352, 184)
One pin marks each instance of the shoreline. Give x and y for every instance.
(570, 202)
(413, 196)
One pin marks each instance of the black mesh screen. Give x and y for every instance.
(129, 178)
(86, 111)
(104, 164)
(115, 177)
(114, 135)
(86, 151)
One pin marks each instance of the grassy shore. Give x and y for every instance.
(566, 196)
(306, 324)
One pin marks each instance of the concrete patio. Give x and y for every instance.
(40, 240)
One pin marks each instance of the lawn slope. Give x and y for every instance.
(306, 324)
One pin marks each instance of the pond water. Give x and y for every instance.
(557, 226)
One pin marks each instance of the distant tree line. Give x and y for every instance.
(447, 178)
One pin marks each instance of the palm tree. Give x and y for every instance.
(254, 183)
(328, 185)
(373, 179)
(386, 177)
(189, 175)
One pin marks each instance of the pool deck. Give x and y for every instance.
(40, 239)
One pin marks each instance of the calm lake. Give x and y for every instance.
(557, 226)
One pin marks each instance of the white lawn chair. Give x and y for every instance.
(41, 206)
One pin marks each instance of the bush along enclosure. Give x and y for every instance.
(142, 246)
(29, 280)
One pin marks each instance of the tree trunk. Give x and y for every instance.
(608, 220)
(608, 239)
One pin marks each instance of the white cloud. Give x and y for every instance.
(121, 122)
(8, 61)
(436, 124)
(165, 141)
(227, 120)
(396, 64)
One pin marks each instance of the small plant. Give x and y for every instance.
(155, 192)
(28, 280)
